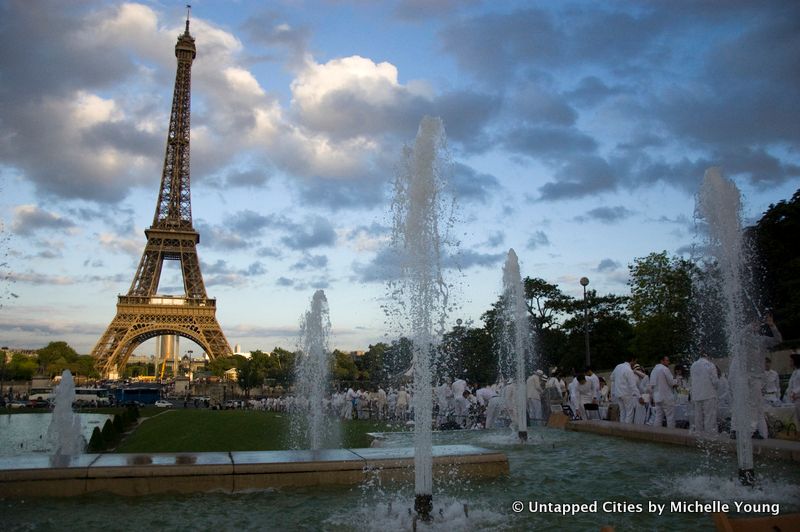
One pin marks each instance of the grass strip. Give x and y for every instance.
(202, 430)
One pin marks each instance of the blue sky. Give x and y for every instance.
(579, 133)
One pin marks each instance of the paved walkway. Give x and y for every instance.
(780, 449)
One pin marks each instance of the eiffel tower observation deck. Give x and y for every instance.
(143, 314)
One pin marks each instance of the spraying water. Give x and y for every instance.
(418, 211)
(65, 433)
(719, 204)
(310, 425)
(514, 341)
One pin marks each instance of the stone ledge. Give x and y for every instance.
(778, 449)
(144, 474)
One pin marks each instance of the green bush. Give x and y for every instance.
(119, 424)
(109, 433)
(96, 442)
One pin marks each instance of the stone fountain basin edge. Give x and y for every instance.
(232, 472)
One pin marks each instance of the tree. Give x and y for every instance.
(661, 291)
(249, 376)
(707, 310)
(344, 367)
(545, 301)
(479, 363)
(21, 368)
(371, 364)
(610, 331)
(220, 365)
(55, 352)
(776, 244)
(546, 304)
(397, 359)
(282, 367)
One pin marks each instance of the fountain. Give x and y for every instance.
(514, 340)
(417, 209)
(64, 432)
(310, 424)
(719, 204)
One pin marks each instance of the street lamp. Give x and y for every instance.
(584, 283)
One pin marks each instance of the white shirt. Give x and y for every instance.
(595, 382)
(793, 390)
(484, 394)
(772, 383)
(534, 387)
(584, 392)
(662, 382)
(704, 379)
(402, 398)
(624, 382)
(459, 385)
(553, 382)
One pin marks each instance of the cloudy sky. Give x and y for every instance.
(579, 133)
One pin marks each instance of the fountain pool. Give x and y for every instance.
(26, 433)
(554, 466)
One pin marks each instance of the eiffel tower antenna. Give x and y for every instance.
(143, 314)
(188, 13)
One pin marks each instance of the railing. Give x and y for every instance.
(168, 301)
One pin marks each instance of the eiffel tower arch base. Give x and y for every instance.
(140, 318)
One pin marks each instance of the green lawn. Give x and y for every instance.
(202, 430)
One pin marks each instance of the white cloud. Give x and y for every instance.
(352, 96)
(129, 246)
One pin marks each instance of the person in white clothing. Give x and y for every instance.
(461, 409)
(772, 384)
(401, 408)
(391, 402)
(444, 394)
(624, 389)
(582, 394)
(572, 396)
(662, 384)
(381, 402)
(793, 390)
(459, 385)
(704, 395)
(349, 398)
(555, 388)
(484, 394)
(758, 337)
(642, 409)
(493, 409)
(605, 391)
(594, 381)
(533, 388)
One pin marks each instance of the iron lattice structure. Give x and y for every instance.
(142, 313)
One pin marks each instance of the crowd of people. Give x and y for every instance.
(696, 397)
(654, 396)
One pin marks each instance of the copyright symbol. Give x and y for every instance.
(517, 506)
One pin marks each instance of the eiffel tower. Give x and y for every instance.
(142, 313)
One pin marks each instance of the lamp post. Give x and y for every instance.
(585, 282)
